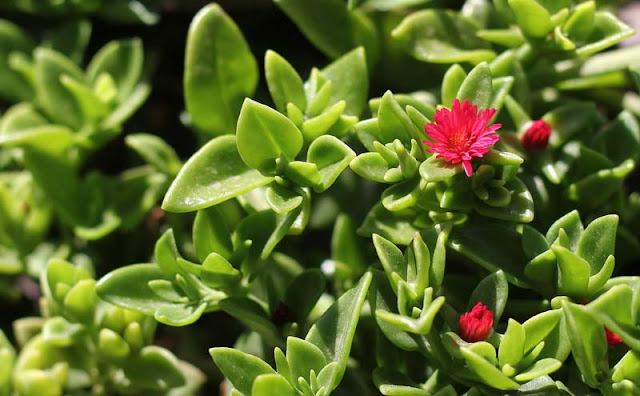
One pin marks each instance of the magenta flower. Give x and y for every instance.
(459, 134)
(476, 325)
(536, 136)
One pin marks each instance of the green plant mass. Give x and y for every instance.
(319, 197)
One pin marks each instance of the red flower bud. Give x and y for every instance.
(476, 325)
(612, 338)
(537, 136)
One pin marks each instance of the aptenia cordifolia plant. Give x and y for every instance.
(445, 206)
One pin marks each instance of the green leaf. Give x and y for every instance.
(265, 229)
(436, 169)
(620, 140)
(616, 309)
(588, 344)
(422, 324)
(240, 368)
(476, 87)
(492, 291)
(285, 85)
(303, 293)
(440, 36)
(53, 97)
(217, 272)
(538, 369)
(533, 242)
(321, 124)
(281, 199)
(383, 299)
(154, 368)
(180, 314)
(60, 332)
(350, 81)
(607, 31)
(330, 27)
(128, 287)
(391, 258)
(568, 121)
(571, 224)
(13, 86)
(597, 189)
(394, 123)
(70, 38)
(254, 316)
(264, 135)
(451, 83)
(331, 156)
(371, 166)
(126, 109)
(573, 273)
(597, 242)
(303, 357)
(511, 349)
(396, 227)
(333, 333)
(166, 254)
(477, 243)
(155, 151)
(19, 117)
(534, 20)
(580, 22)
(211, 234)
(539, 326)
(80, 301)
(487, 372)
(305, 174)
(220, 71)
(272, 385)
(346, 248)
(123, 61)
(501, 87)
(196, 187)
(89, 104)
(46, 157)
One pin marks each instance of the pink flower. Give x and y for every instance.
(461, 133)
(612, 338)
(537, 136)
(476, 325)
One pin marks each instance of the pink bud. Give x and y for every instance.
(476, 325)
(537, 136)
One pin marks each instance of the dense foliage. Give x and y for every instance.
(444, 206)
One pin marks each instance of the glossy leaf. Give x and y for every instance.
(532, 17)
(350, 82)
(597, 242)
(333, 333)
(476, 87)
(264, 135)
(196, 188)
(272, 385)
(331, 156)
(54, 98)
(492, 291)
(123, 62)
(220, 71)
(588, 344)
(441, 37)
(285, 85)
